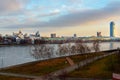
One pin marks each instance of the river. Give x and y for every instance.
(13, 55)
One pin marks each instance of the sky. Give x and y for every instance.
(63, 17)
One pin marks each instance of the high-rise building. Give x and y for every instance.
(53, 35)
(75, 35)
(37, 34)
(112, 30)
(99, 34)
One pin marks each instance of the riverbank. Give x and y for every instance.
(100, 69)
(11, 78)
(24, 54)
(52, 42)
(46, 66)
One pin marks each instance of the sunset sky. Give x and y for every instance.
(63, 17)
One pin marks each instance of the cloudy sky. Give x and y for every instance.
(63, 17)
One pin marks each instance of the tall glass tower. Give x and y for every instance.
(112, 31)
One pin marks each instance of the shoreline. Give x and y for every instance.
(47, 67)
(1, 45)
(18, 65)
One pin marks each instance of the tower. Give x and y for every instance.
(112, 31)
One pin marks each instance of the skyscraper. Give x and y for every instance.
(112, 31)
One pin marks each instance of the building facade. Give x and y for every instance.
(75, 35)
(99, 34)
(112, 30)
(53, 35)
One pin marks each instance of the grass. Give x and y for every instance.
(10, 78)
(44, 67)
(40, 68)
(115, 64)
(97, 69)
(77, 59)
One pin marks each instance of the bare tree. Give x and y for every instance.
(46, 51)
(63, 49)
(73, 49)
(69, 51)
(80, 48)
(96, 46)
(42, 51)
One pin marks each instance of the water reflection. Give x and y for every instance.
(111, 45)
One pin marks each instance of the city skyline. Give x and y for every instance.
(63, 17)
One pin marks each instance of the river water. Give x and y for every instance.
(13, 55)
